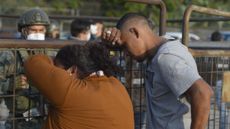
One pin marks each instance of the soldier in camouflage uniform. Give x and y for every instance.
(6, 70)
(33, 26)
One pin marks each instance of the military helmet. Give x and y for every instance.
(33, 17)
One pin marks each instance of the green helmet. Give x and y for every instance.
(33, 17)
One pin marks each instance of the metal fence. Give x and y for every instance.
(28, 109)
(212, 64)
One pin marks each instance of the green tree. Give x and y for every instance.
(63, 4)
(57, 5)
(13, 5)
(175, 8)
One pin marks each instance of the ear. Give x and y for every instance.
(134, 31)
(24, 31)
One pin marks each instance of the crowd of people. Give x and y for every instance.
(80, 86)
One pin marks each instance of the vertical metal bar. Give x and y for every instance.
(199, 9)
(62, 17)
(14, 87)
(211, 83)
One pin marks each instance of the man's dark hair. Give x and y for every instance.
(88, 58)
(216, 36)
(136, 17)
(78, 26)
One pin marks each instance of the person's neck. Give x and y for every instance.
(156, 44)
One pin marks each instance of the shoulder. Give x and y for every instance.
(172, 47)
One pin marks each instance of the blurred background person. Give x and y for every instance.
(80, 30)
(53, 31)
(216, 36)
(96, 29)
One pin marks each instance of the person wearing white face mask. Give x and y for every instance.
(80, 30)
(96, 30)
(33, 24)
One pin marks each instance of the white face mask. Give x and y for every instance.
(93, 29)
(88, 37)
(36, 36)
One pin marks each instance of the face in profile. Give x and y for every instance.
(133, 44)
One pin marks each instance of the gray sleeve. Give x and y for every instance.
(179, 74)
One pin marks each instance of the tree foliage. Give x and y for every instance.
(63, 4)
(14, 5)
(175, 8)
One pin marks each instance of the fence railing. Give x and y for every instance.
(194, 8)
(212, 65)
(28, 108)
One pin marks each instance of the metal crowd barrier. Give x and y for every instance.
(212, 64)
(27, 107)
(133, 77)
(198, 9)
(212, 61)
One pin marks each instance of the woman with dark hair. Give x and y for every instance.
(81, 89)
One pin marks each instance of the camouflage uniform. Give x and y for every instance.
(7, 69)
(28, 96)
